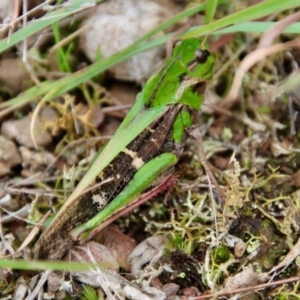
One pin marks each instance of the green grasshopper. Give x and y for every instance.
(142, 153)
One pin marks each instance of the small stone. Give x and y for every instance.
(36, 160)
(296, 179)
(119, 244)
(114, 25)
(156, 283)
(14, 76)
(147, 252)
(191, 291)
(94, 251)
(247, 277)
(170, 289)
(9, 155)
(19, 130)
(55, 280)
(239, 249)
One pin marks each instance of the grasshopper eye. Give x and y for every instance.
(177, 43)
(201, 55)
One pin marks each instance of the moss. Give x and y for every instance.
(221, 254)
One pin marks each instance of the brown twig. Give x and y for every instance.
(246, 289)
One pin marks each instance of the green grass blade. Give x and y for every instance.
(258, 27)
(210, 10)
(251, 13)
(48, 19)
(48, 265)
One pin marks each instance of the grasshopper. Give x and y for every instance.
(141, 154)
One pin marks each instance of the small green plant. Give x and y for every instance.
(88, 293)
(285, 292)
(221, 254)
